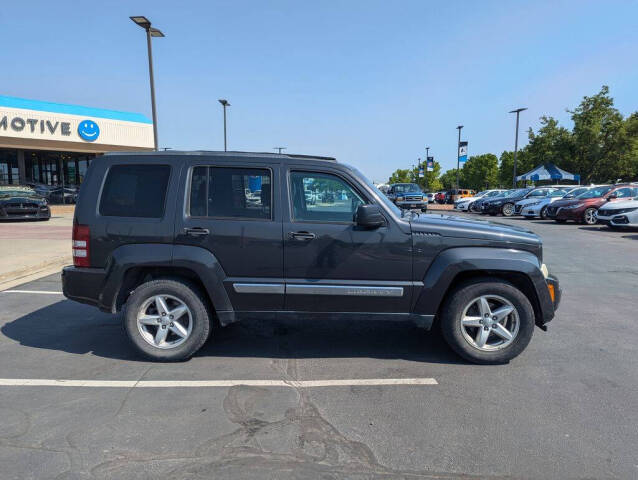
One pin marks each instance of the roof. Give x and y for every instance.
(228, 154)
(40, 106)
(548, 171)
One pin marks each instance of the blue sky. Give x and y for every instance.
(370, 82)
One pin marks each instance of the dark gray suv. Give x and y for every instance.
(185, 241)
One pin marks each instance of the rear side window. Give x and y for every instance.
(135, 191)
(231, 193)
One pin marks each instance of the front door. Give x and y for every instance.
(330, 264)
(230, 210)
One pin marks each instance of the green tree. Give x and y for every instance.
(506, 167)
(481, 171)
(448, 179)
(401, 176)
(552, 144)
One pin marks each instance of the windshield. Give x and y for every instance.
(558, 193)
(516, 193)
(576, 191)
(386, 201)
(594, 192)
(495, 193)
(407, 188)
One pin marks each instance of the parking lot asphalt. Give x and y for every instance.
(567, 408)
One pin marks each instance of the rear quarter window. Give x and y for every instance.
(135, 191)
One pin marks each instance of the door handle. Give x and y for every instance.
(196, 231)
(301, 236)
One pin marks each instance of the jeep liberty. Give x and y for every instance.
(183, 242)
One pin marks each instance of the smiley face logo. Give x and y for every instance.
(88, 130)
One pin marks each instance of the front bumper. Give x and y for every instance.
(412, 204)
(530, 212)
(575, 214)
(40, 213)
(491, 209)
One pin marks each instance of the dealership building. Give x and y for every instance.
(54, 143)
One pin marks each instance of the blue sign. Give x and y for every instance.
(88, 130)
(430, 164)
(462, 153)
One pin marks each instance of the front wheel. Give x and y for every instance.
(508, 210)
(590, 217)
(487, 321)
(543, 213)
(167, 320)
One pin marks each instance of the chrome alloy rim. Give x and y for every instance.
(591, 216)
(490, 322)
(164, 321)
(508, 209)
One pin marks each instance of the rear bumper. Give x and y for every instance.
(549, 299)
(83, 285)
(25, 214)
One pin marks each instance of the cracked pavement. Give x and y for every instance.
(565, 409)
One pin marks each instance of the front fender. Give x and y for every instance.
(439, 277)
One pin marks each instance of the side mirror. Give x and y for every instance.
(613, 196)
(369, 216)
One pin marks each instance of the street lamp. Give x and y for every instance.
(279, 149)
(145, 23)
(517, 112)
(225, 104)
(425, 172)
(458, 156)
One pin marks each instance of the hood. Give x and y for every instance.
(461, 227)
(620, 204)
(20, 198)
(573, 201)
(527, 201)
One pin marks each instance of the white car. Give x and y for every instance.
(463, 204)
(619, 214)
(430, 197)
(537, 207)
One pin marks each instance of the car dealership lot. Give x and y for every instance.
(566, 408)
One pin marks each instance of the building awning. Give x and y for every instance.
(548, 171)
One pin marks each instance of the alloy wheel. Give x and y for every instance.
(508, 209)
(591, 216)
(489, 323)
(164, 321)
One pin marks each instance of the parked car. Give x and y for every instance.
(22, 203)
(431, 197)
(453, 195)
(408, 195)
(584, 207)
(535, 207)
(138, 248)
(504, 204)
(463, 204)
(620, 214)
(439, 197)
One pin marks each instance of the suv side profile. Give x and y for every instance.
(181, 242)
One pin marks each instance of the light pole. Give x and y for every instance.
(225, 104)
(518, 112)
(425, 171)
(279, 149)
(458, 156)
(145, 23)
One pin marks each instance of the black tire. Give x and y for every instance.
(543, 213)
(452, 311)
(191, 296)
(507, 210)
(424, 210)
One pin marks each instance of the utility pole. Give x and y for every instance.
(425, 171)
(458, 156)
(225, 104)
(279, 149)
(517, 112)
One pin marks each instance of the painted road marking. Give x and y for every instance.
(39, 292)
(37, 382)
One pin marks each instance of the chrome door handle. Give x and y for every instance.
(301, 236)
(196, 231)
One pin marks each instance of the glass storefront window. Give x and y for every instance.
(9, 167)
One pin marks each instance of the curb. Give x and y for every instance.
(33, 272)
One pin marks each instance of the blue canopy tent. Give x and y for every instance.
(548, 171)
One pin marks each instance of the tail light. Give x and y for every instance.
(81, 246)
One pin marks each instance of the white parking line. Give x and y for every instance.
(39, 292)
(37, 382)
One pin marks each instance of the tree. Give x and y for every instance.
(448, 179)
(552, 144)
(401, 176)
(481, 171)
(524, 164)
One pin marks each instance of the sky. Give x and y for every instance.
(369, 82)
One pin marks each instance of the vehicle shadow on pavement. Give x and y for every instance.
(79, 329)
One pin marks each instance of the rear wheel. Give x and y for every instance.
(590, 217)
(487, 321)
(167, 320)
(508, 209)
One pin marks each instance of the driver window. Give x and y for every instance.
(623, 192)
(320, 197)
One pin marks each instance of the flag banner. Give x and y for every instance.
(462, 153)
(420, 170)
(430, 164)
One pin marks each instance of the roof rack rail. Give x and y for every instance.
(228, 153)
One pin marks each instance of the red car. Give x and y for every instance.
(583, 208)
(439, 197)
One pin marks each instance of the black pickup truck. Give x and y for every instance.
(184, 242)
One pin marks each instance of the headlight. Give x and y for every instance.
(578, 205)
(532, 204)
(400, 198)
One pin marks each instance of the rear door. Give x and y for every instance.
(232, 210)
